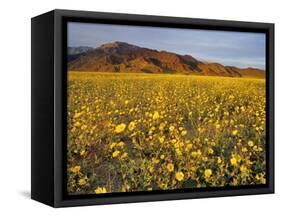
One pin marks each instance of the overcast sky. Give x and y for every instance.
(229, 48)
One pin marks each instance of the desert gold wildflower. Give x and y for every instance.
(75, 169)
(77, 124)
(124, 155)
(210, 151)
(170, 167)
(263, 180)
(82, 152)
(194, 154)
(233, 161)
(184, 132)
(77, 115)
(155, 116)
(171, 128)
(132, 126)
(207, 173)
(179, 176)
(250, 143)
(189, 146)
(115, 153)
(244, 149)
(100, 190)
(243, 169)
(162, 125)
(84, 126)
(112, 145)
(82, 182)
(178, 151)
(161, 139)
(120, 144)
(155, 161)
(120, 128)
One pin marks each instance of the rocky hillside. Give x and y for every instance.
(124, 57)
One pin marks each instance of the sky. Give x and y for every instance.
(241, 49)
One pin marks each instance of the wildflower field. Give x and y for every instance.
(142, 132)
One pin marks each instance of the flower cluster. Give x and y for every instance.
(136, 132)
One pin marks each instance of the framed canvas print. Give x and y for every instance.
(133, 108)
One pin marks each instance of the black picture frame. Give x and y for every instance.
(48, 69)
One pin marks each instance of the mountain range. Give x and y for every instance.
(123, 57)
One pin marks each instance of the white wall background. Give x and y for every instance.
(15, 106)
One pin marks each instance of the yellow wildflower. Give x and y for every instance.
(250, 143)
(244, 149)
(77, 124)
(171, 128)
(83, 127)
(77, 115)
(233, 161)
(132, 126)
(116, 153)
(155, 161)
(255, 148)
(161, 139)
(162, 125)
(178, 151)
(100, 190)
(112, 145)
(120, 128)
(194, 154)
(234, 132)
(124, 155)
(210, 151)
(75, 169)
(207, 173)
(263, 180)
(188, 146)
(170, 167)
(155, 116)
(120, 144)
(82, 152)
(82, 182)
(179, 176)
(243, 169)
(183, 133)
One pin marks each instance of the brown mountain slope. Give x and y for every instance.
(124, 57)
